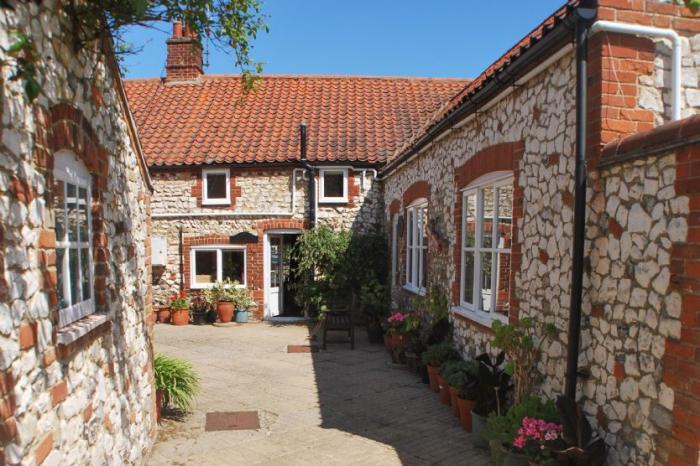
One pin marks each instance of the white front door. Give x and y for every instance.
(276, 290)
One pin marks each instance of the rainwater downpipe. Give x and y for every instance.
(312, 177)
(584, 29)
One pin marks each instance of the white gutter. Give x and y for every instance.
(639, 30)
(289, 213)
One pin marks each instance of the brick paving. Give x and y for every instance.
(335, 407)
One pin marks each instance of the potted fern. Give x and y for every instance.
(177, 383)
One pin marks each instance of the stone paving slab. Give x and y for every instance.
(335, 407)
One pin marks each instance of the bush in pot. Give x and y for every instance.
(222, 295)
(433, 357)
(465, 383)
(179, 309)
(176, 383)
(447, 394)
(198, 310)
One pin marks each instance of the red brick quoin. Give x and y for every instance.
(499, 157)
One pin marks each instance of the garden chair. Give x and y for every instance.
(339, 321)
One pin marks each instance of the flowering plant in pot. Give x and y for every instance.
(242, 302)
(433, 357)
(222, 295)
(394, 327)
(179, 308)
(578, 445)
(535, 437)
(198, 310)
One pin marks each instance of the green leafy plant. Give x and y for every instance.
(179, 300)
(465, 380)
(229, 291)
(494, 385)
(504, 428)
(23, 53)
(177, 380)
(434, 307)
(436, 355)
(522, 344)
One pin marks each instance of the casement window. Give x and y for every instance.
(210, 264)
(416, 245)
(333, 185)
(73, 227)
(394, 248)
(216, 186)
(487, 232)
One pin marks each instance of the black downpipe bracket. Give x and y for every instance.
(584, 19)
(310, 174)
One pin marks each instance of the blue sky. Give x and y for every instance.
(448, 38)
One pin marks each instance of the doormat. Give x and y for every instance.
(302, 349)
(233, 420)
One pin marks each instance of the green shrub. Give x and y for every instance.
(178, 381)
(505, 428)
(435, 355)
(464, 379)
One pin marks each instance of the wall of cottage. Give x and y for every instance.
(261, 200)
(632, 316)
(91, 401)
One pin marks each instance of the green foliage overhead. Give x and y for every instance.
(693, 5)
(178, 381)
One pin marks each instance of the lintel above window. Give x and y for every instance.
(216, 186)
(333, 185)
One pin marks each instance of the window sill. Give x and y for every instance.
(414, 290)
(78, 329)
(333, 200)
(209, 286)
(223, 202)
(484, 319)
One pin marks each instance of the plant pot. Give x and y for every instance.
(432, 378)
(163, 315)
(465, 412)
(513, 458)
(425, 377)
(375, 334)
(478, 424)
(199, 318)
(387, 342)
(498, 452)
(180, 316)
(159, 404)
(453, 401)
(241, 316)
(444, 390)
(211, 316)
(224, 309)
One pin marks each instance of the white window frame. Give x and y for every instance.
(68, 169)
(205, 183)
(474, 310)
(219, 270)
(416, 251)
(322, 187)
(394, 248)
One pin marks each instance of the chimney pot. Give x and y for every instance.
(188, 31)
(177, 29)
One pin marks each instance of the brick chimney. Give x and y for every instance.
(184, 55)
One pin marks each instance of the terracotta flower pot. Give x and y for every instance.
(465, 412)
(453, 401)
(163, 315)
(180, 316)
(432, 377)
(444, 390)
(159, 404)
(225, 310)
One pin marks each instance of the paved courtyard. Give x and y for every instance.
(330, 408)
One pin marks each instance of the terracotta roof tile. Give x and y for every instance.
(350, 119)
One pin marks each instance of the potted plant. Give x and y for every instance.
(494, 384)
(395, 336)
(163, 314)
(222, 295)
(465, 384)
(176, 383)
(242, 303)
(448, 368)
(433, 357)
(507, 435)
(578, 445)
(198, 310)
(179, 309)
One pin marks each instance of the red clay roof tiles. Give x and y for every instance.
(350, 119)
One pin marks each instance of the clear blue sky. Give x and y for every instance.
(449, 38)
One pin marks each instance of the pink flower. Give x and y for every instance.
(519, 442)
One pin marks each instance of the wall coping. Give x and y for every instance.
(665, 138)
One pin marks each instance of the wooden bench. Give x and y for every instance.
(338, 321)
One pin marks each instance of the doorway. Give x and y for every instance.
(279, 294)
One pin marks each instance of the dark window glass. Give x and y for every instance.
(205, 266)
(333, 184)
(233, 265)
(216, 186)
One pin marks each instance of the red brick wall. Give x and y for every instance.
(184, 56)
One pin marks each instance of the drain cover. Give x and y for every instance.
(302, 349)
(233, 420)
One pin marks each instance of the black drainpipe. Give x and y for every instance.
(584, 17)
(310, 173)
(182, 267)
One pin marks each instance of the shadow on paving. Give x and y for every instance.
(363, 393)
